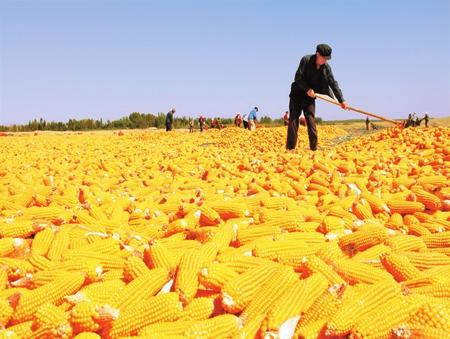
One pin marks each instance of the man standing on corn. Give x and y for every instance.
(313, 75)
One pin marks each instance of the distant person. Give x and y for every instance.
(426, 118)
(417, 122)
(286, 118)
(169, 120)
(191, 125)
(367, 123)
(201, 122)
(252, 119)
(313, 75)
(409, 122)
(238, 120)
(245, 120)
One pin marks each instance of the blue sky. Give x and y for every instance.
(90, 58)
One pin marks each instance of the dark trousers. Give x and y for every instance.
(245, 124)
(168, 127)
(295, 111)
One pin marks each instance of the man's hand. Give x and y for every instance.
(344, 105)
(311, 93)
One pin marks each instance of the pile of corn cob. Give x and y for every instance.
(225, 234)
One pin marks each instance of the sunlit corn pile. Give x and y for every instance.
(225, 234)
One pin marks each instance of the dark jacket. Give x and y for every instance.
(169, 118)
(320, 80)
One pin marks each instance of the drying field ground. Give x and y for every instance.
(226, 234)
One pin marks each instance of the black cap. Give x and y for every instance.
(324, 50)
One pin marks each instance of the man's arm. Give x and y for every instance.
(300, 75)
(334, 86)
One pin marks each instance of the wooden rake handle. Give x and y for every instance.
(332, 101)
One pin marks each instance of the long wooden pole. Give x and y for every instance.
(330, 100)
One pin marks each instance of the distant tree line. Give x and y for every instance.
(135, 120)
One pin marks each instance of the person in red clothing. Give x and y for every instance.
(238, 120)
(201, 121)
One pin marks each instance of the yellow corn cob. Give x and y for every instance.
(142, 288)
(289, 223)
(46, 213)
(314, 264)
(324, 306)
(365, 302)
(158, 256)
(99, 292)
(237, 293)
(376, 203)
(281, 203)
(406, 243)
(311, 238)
(247, 235)
(242, 263)
(226, 325)
(208, 216)
(3, 279)
(134, 267)
(399, 266)
(251, 327)
(274, 249)
(354, 272)
(108, 262)
(161, 308)
(281, 281)
(436, 180)
(362, 210)
(186, 281)
(430, 201)
(379, 323)
(215, 275)
(331, 223)
(418, 230)
(208, 252)
(166, 329)
(22, 330)
(372, 254)
(16, 268)
(229, 209)
(362, 239)
(330, 252)
(405, 207)
(223, 237)
(437, 240)
(9, 245)
(89, 316)
(59, 244)
(19, 229)
(52, 292)
(40, 262)
(91, 269)
(198, 309)
(40, 278)
(104, 246)
(426, 260)
(410, 331)
(311, 330)
(53, 319)
(295, 301)
(42, 241)
(87, 335)
(340, 212)
(439, 290)
(432, 314)
(6, 312)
